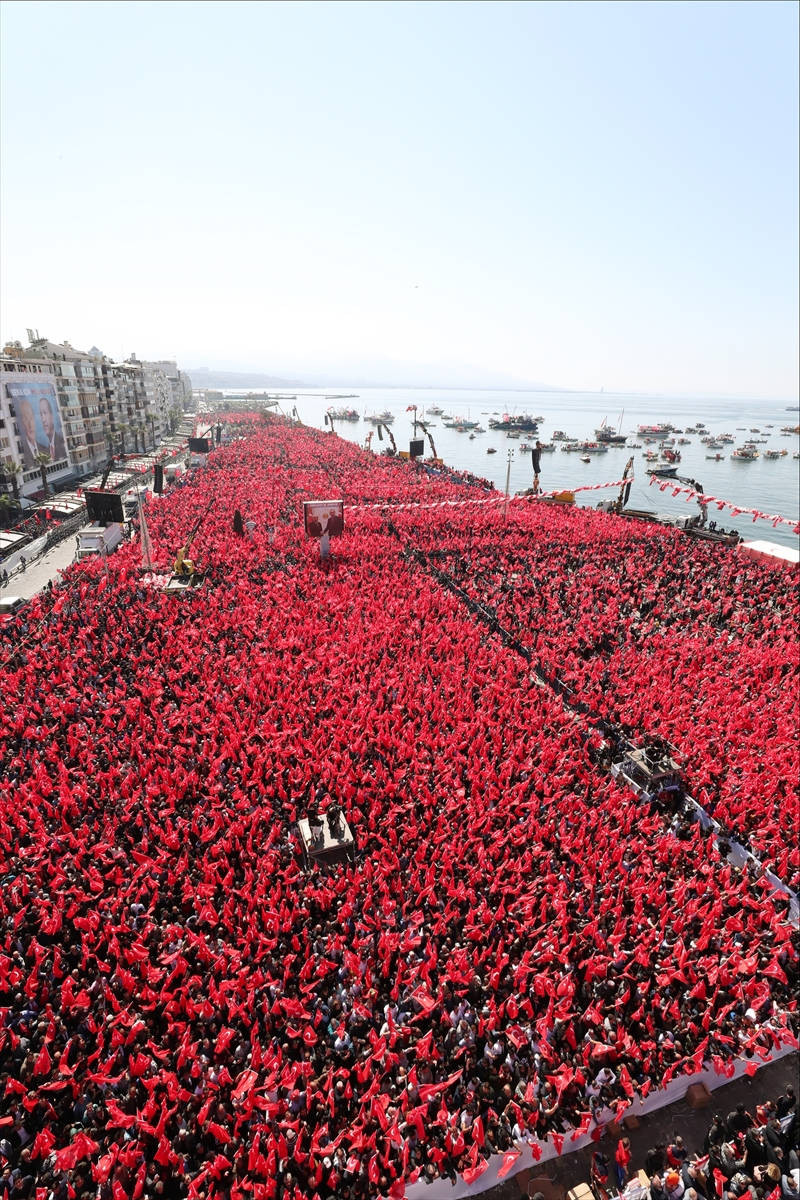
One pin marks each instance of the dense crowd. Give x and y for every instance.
(520, 948)
(745, 1156)
(658, 635)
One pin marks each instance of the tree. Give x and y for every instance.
(43, 460)
(7, 507)
(123, 429)
(12, 471)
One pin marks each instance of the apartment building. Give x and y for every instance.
(65, 411)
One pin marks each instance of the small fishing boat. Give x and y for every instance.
(384, 418)
(771, 454)
(524, 448)
(593, 447)
(745, 454)
(546, 447)
(513, 433)
(491, 450)
(662, 472)
(655, 431)
(560, 436)
(435, 411)
(586, 458)
(684, 442)
(715, 457)
(671, 455)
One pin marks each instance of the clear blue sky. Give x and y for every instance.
(584, 194)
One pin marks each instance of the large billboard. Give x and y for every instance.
(35, 404)
(323, 516)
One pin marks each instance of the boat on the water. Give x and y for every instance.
(775, 453)
(560, 436)
(655, 431)
(610, 436)
(491, 450)
(715, 457)
(434, 410)
(586, 458)
(384, 418)
(523, 422)
(745, 454)
(662, 472)
(344, 414)
(671, 455)
(684, 442)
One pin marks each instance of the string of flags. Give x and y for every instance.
(736, 509)
(499, 498)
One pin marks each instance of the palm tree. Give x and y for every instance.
(7, 506)
(140, 429)
(12, 470)
(43, 460)
(122, 430)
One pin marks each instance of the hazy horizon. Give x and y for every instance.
(577, 196)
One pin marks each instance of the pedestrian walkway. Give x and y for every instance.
(662, 1126)
(42, 570)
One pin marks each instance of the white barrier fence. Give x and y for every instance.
(443, 1189)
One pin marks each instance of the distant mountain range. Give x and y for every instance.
(202, 377)
(375, 371)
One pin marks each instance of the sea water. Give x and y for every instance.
(772, 486)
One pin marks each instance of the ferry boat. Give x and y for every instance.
(745, 453)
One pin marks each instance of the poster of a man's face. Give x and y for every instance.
(323, 516)
(39, 421)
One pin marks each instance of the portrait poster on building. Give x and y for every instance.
(35, 404)
(323, 517)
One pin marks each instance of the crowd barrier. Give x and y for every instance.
(442, 1189)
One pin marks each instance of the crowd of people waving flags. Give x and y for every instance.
(521, 948)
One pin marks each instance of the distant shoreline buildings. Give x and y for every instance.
(66, 411)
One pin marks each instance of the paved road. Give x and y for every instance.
(30, 581)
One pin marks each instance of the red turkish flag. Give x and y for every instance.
(509, 1158)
